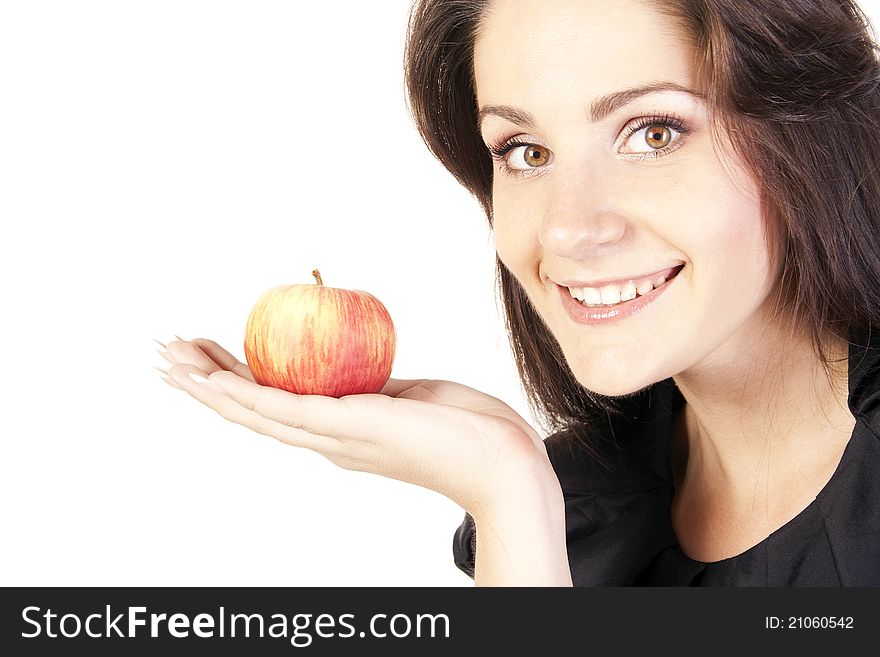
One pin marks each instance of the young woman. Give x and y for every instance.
(685, 202)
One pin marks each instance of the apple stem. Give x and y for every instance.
(317, 276)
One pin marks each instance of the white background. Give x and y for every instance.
(163, 163)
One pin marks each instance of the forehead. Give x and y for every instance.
(535, 53)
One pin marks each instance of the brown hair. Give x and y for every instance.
(793, 84)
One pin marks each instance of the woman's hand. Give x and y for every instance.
(447, 437)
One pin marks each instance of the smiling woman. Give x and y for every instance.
(685, 202)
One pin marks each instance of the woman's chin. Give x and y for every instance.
(615, 371)
(611, 386)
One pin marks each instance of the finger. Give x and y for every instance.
(211, 395)
(345, 418)
(223, 358)
(185, 352)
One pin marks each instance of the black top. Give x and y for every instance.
(618, 526)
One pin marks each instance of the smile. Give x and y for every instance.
(611, 302)
(612, 294)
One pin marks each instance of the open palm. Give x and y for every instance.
(442, 435)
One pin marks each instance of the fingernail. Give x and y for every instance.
(202, 381)
(159, 369)
(161, 344)
(166, 356)
(179, 338)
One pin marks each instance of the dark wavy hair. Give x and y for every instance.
(796, 87)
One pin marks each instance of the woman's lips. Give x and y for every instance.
(606, 314)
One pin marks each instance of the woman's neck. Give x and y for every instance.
(762, 432)
(762, 418)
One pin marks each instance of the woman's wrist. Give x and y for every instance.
(520, 537)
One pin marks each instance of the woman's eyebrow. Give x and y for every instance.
(599, 108)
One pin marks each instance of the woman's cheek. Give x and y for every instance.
(732, 265)
(516, 241)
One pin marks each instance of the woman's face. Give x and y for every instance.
(588, 191)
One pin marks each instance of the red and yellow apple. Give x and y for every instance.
(318, 340)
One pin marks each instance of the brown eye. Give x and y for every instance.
(657, 136)
(536, 156)
(524, 158)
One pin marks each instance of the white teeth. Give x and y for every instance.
(591, 296)
(610, 295)
(606, 296)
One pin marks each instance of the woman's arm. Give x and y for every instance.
(444, 436)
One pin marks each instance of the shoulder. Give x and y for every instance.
(864, 377)
(849, 504)
(618, 453)
(615, 478)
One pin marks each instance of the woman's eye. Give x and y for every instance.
(527, 156)
(652, 138)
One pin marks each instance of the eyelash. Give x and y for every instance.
(500, 150)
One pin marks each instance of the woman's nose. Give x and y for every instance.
(579, 220)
